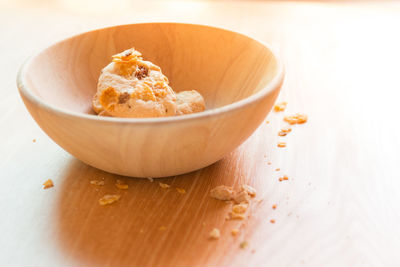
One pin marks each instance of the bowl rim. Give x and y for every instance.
(275, 82)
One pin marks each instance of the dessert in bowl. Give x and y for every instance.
(238, 77)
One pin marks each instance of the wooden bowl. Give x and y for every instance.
(239, 78)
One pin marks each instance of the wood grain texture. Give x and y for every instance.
(340, 206)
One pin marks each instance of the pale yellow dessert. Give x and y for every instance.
(131, 87)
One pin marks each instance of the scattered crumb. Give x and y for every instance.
(269, 163)
(34, 140)
(267, 122)
(280, 106)
(282, 144)
(49, 183)
(260, 200)
(296, 119)
(277, 169)
(235, 216)
(234, 232)
(164, 186)
(180, 190)
(109, 199)
(242, 197)
(240, 208)
(274, 206)
(162, 228)
(284, 178)
(97, 182)
(272, 221)
(284, 131)
(150, 179)
(222, 192)
(215, 234)
(121, 185)
(249, 190)
(243, 245)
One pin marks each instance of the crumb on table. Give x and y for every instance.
(234, 232)
(243, 244)
(164, 186)
(249, 190)
(97, 182)
(282, 144)
(109, 199)
(296, 119)
(242, 197)
(240, 208)
(280, 106)
(284, 131)
(222, 192)
(283, 178)
(235, 216)
(48, 184)
(180, 190)
(121, 185)
(215, 233)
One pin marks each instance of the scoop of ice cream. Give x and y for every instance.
(134, 88)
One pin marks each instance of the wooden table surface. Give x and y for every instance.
(340, 206)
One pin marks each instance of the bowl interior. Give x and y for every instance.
(223, 66)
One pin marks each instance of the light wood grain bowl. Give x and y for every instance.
(238, 76)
